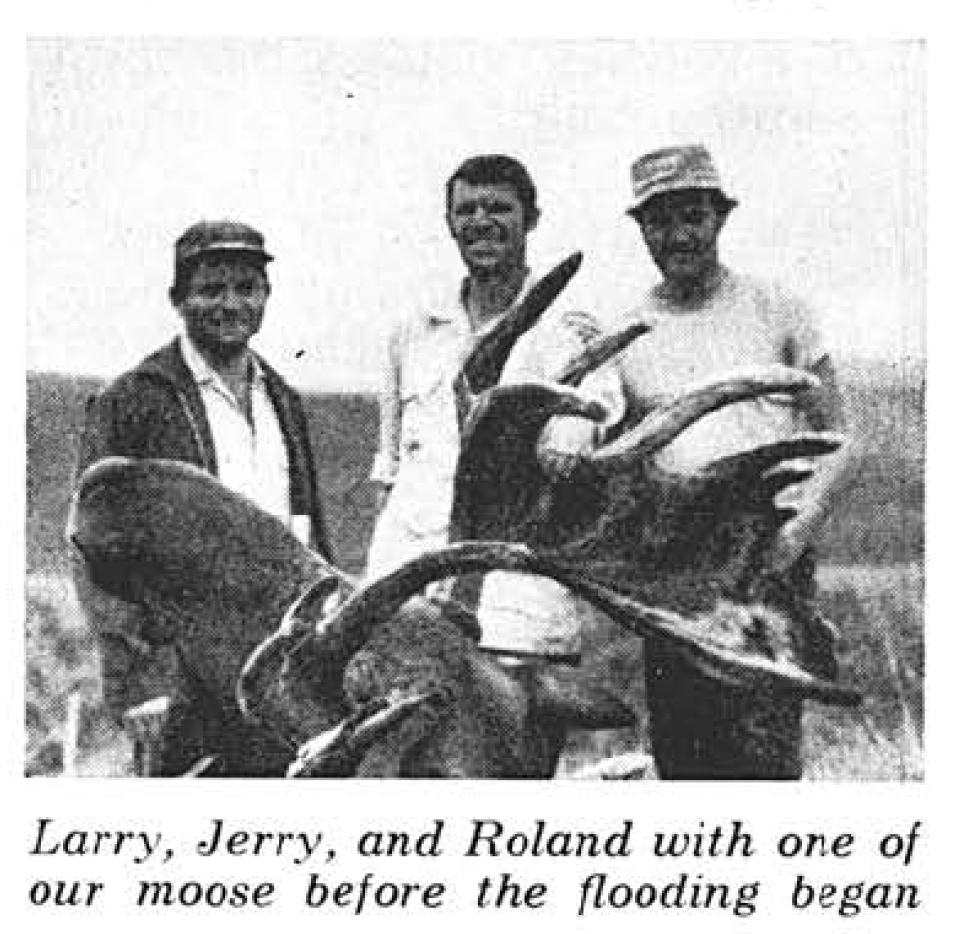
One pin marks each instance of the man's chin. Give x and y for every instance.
(684, 274)
(225, 348)
(688, 266)
(487, 256)
(485, 268)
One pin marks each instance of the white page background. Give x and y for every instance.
(182, 811)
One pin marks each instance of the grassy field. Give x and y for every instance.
(872, 584)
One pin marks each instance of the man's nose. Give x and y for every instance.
(233, 299)
(682, 234)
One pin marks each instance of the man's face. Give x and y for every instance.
(680, 229)
(224, 305)
(487, 222)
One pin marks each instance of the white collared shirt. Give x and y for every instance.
(419, 435)
(251, 456)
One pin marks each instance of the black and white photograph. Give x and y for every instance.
(543, 409)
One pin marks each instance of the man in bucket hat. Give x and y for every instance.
(205, 398)
(709, 321)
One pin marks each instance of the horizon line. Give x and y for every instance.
(852, 368)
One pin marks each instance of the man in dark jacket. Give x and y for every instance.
(206, 399)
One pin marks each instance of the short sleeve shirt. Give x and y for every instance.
(744, 324)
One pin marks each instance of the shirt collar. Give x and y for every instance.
(446, 315)
(454, 309)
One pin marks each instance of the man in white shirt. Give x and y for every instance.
(251, 451)
(709, 321)
(491, 210)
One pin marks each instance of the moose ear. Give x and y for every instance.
(578, 701)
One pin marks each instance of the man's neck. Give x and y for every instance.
(234, 369)
(692, 291)
(487, 298)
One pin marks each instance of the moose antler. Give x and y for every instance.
(482, 368)
(670, 557)
(677, 557)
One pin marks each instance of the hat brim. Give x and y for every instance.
(225, 249)
(656, 190)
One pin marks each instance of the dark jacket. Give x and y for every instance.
(156, 410)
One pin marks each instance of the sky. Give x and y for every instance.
(339, 150)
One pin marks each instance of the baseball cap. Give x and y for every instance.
(223, 236)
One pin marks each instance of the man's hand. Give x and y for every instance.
(584, 325)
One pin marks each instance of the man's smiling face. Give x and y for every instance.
(488, 224)
(681, 229)
(224, 305)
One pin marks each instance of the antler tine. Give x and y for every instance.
(483, 367)
(664, 424)
(336, 752)
(599, 351)
(344, 632)
(780, 479)
(769, 456)
(771, 468)
(534, 402)
(265, 661)
(726, 663)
